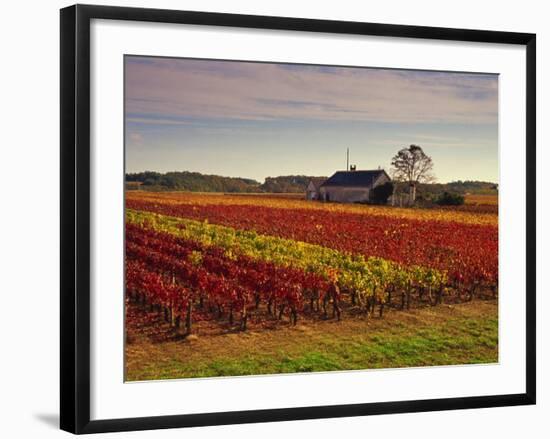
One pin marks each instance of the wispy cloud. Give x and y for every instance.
(169, 91)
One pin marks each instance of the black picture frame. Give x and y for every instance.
(75, 217)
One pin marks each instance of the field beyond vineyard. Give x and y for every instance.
(220, 285)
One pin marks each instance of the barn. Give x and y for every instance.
(352, 186)
(312, 190)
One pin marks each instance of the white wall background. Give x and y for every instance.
(29, 238)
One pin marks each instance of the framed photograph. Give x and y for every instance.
(268, 219)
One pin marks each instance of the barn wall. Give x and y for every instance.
(311, 195)
(344, 194)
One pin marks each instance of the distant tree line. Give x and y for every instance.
(197, 182)
(190, 181)
(463, 187)
(445, 194)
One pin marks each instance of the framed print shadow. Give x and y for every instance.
(271, 218)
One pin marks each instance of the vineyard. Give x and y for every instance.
(241, 262)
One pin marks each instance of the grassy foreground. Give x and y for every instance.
(443, 335)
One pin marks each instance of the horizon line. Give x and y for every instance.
(297, 175)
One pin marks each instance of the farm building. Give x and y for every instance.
(352, 186)
(312, 190)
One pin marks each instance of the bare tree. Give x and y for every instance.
(413, 166)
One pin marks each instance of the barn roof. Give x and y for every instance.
(317, 181)
(354, 178)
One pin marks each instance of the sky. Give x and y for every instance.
(254, 120)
